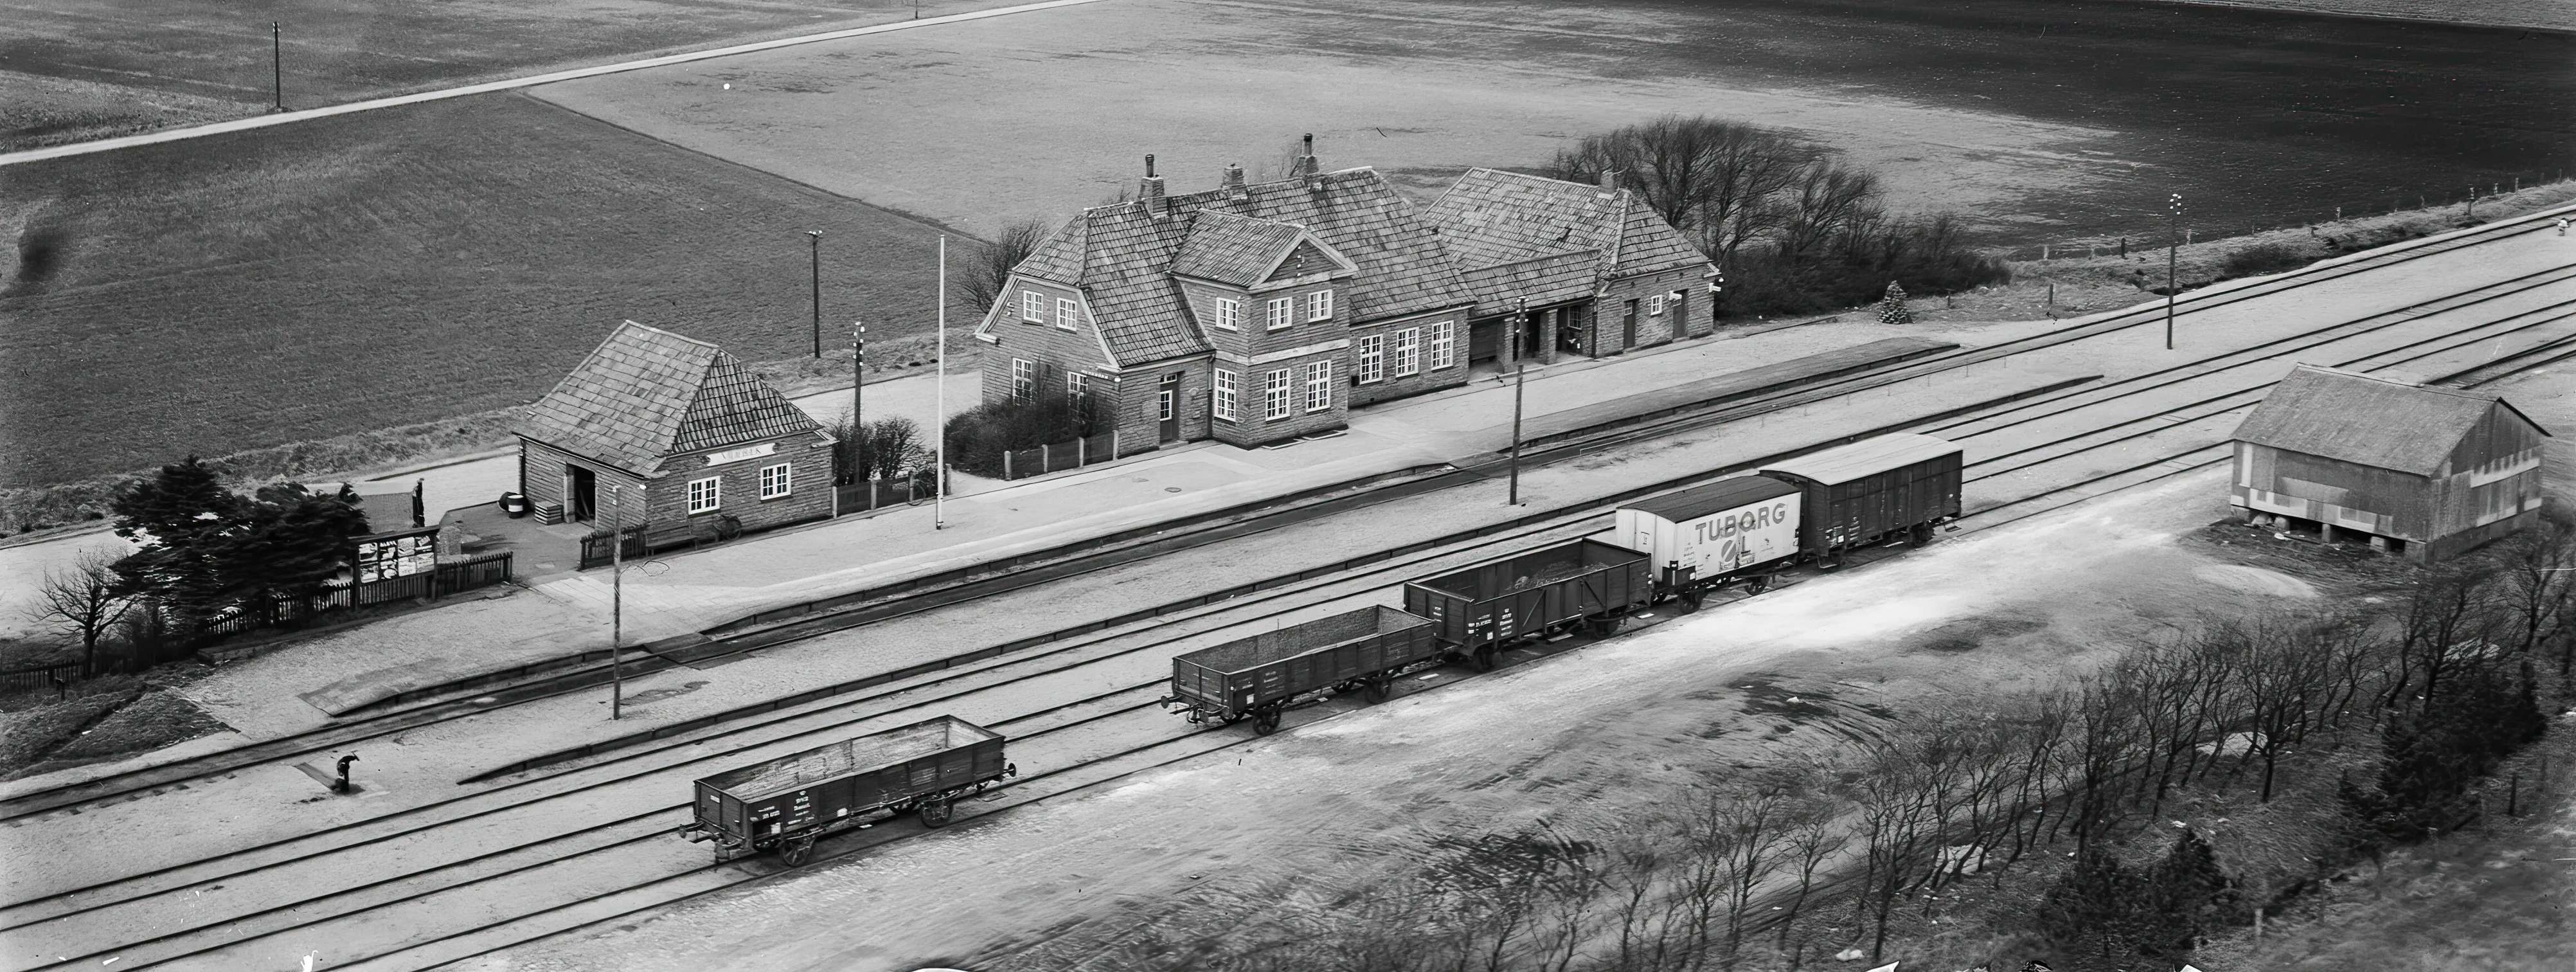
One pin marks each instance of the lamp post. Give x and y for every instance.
(616, 600)
(2173, 238)
(816, 238)
(276, 68)
(1520, 380)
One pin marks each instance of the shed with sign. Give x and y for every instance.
(671, 435)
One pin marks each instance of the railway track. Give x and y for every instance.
(152, 780)
(1572, 523)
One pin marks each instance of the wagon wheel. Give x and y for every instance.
(1265, 722)
(796, 851)
(1376, 690)
(1603, 627)
(1759, 583)
(1692, 600)
(1920, 535)
(1484, 658)
(935, 811)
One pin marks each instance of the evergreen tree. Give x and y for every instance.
(2187, 891)
(2091, 900)
(179, 516)
(291, 542)
(1891, 306)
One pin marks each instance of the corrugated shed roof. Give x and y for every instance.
(1867, 457)
(1123, 259)
(1492, 218)
(646, 393)
(2378, 422)
(1233, 249)
(1717, 497)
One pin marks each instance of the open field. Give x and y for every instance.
(2542, 14)
(393, 267)
(136, 55)
(2036, 120)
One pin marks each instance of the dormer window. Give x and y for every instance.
(1319, 305)
(1033, 307)
(1229, 313)
(1282, 311)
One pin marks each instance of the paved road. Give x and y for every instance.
(291, 117)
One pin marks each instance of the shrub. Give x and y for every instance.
(978, 436)
(2263, 258)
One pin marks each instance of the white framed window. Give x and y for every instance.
(1024, 380)
(1229, 313)
(1319, 386)
(706, 495)
(1655, 306)
(1228, 387)
(1370, 362)
(1033, 307)
(1281, 312)
(1444, 344)
(1068, 313)
(775, 481)
(1408, 352)
(1319, 305)
(1276, 401)
(1078, 386)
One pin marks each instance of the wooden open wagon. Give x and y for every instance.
(1258, 677)
(785, 804)
(1477, 610)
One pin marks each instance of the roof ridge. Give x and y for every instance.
(2468, 393)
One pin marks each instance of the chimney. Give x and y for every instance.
(1609, 181)
(1306, 166)
(1150, 192)
(1234, 184)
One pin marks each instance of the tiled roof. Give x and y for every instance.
(1491, 219)
(2376, 422)
(1540, 281)
(1123, 260)
(1233, 249)
(646, 393)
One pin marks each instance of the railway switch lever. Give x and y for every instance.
(342, 784)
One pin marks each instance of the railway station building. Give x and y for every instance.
(2420, 470)
(1570, 268)
(671, 433)
(1251, 313)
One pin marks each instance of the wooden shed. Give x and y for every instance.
(2425, 471)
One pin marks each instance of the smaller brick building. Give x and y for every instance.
(672, 433)
(1575, 268)
(2425, 471)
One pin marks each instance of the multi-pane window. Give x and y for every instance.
(1033, 306)
(1319, 305)
(1024, 379)
(1370, 362)
(706, 495)
(1444, 344)
(1068, 313)
(1228, 386)
(774, 481)
(1319, 386)
(1229, 313)
(1408, 351)
(1281, 310)
(1655, 306)
(1078, 387)
(1276, 401)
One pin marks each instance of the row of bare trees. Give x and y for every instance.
(2070, 787)
(1795, 227)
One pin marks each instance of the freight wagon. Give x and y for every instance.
(788, 802)
(1363, 650)
(1476, 610)
(1891, 486)
(1709, 536)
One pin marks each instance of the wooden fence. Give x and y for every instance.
(452, 577)
(1024, 463)
(44, 677)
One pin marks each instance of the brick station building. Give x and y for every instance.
(1579, 268)
(672, 433)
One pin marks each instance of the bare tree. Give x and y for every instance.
(83, 600)
(989, 270)
(2536, 590)
(1712, 179)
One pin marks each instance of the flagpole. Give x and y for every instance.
(939, 476)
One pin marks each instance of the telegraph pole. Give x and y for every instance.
(939, 476)
(816, 238)
(1520, 379)
(276, 68)
(2173, 238)
(858, 424)
(616, 601)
